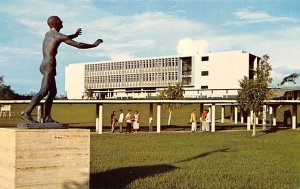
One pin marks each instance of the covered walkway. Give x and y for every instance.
(270, 107)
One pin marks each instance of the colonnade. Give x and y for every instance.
(270, 109)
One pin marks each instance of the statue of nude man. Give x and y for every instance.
(51, 43)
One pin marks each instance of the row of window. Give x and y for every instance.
(152, 63)
(133, 78)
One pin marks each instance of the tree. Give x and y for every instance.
(172, 93)
(254, 92)
(88, 93)
(290, 78)
(6, 93)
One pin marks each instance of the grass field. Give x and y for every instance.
(228, 159)
(196, 160)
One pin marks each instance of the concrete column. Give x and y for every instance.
(235, 114)
(231, 113)
(256, 120)
(264, 117)
(274, 116)
(294, 117)
(248, 123)
(213, 118)
(270, 115)
(242, 115)
(151, 118)
(99, 118)
(40, 113)
(251, 117)
(158, 117)
(222, 114)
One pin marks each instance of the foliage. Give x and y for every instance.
(255, 91)
(88, 94)
(290, 78)
(5, 91)
(172, 93)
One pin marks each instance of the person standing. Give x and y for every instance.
(207, 120)
(121, 120)
(113, 120)
(202, 121)
(128, 121)
(136, 123)
(193, 120)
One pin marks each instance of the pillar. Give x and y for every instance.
(251, 117)
(231, 113)
(248, 123)
(222, 114)
(294, 116)
(99, 118)
(264, 117)
(235, 114)
(158, 117)
(274, 116)
(242, 115)
(40, 113)
(213, 118)
(270, 115)
(151, 118)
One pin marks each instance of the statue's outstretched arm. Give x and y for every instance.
(83, 45)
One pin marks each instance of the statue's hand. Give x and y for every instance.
(97, 42)
(78, 32)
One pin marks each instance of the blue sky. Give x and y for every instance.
(145, 28)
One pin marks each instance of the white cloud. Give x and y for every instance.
(122, 57)
(247, 16)
(187, 46)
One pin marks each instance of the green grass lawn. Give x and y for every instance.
(196, 160)
(231, 159)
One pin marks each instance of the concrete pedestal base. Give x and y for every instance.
(44, 158)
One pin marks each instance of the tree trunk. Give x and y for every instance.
(254, 124)
(170, 116)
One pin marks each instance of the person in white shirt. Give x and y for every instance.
(121, 120)
(207, 120)
(129, 119)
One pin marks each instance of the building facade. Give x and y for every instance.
(214, 74)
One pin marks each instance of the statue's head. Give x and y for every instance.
(55, 22)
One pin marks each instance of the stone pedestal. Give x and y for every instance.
(44, 158)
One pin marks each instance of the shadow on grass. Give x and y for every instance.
(203, 155)
(122, 177)
(272, 130)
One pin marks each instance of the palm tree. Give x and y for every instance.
(290, 78)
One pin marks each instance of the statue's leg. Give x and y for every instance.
(49, 101)
(37, 98)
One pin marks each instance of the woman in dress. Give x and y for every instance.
(136, 123)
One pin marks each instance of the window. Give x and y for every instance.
(205, 58)
(204, 87)
(204, 73)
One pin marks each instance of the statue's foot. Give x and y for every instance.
(49, 120)
(28, 118)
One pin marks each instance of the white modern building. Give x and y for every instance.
(210, 75)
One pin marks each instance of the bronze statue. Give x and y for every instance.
(51, 43)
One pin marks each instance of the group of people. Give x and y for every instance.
(132, 121)
(204, 121)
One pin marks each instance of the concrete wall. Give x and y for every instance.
(74, 81)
